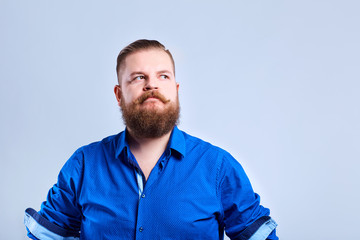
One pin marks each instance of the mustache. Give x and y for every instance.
(154, 94)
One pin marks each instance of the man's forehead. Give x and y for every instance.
(147, 58)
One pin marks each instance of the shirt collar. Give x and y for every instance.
(121, 143)
(176, 142)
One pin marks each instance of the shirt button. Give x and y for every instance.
(141, 229)
(143, 195)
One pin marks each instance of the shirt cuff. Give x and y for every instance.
(265, 230)
(31, 236)
(43, 229)
(258, 230)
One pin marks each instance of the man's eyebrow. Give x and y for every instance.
(136, 73)
(165, 71)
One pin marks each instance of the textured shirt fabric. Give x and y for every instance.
(195, 191)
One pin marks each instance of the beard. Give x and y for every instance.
(150, 122)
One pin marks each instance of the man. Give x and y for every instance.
(151, 181)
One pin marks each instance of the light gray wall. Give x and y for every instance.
(276, 83)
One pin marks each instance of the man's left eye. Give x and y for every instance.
(164, 76)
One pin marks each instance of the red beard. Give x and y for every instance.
(150, 122)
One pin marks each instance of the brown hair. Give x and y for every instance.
(142, 44)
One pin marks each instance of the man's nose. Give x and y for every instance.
(151, 83)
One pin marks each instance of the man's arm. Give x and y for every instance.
(243, 216)
(60, 215)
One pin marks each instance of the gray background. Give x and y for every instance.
(276, 83)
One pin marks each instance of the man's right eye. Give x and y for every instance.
(139, 78)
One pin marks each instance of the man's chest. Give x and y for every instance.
(173, 204)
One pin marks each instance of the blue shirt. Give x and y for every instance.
(195, 191)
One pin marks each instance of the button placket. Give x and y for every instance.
(140, 220)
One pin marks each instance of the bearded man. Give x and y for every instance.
(151, 181)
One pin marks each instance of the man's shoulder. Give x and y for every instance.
(198, 144)
(108, 142)
(209, 155)
(196, 141)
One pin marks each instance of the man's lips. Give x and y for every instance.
(150, 99)
(151, 96)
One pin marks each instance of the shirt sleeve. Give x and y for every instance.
(243, 216)
(60, 215)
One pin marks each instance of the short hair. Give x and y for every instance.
(138, 45)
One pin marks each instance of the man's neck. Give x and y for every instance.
(139, 144)
(147, 151)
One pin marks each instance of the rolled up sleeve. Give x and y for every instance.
(60, 215)
(243, 216)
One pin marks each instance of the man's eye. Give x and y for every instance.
(164, 76)
(139, 78)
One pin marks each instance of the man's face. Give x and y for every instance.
(148, 93)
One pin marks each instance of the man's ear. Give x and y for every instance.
(177, 86)
(117, 91)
